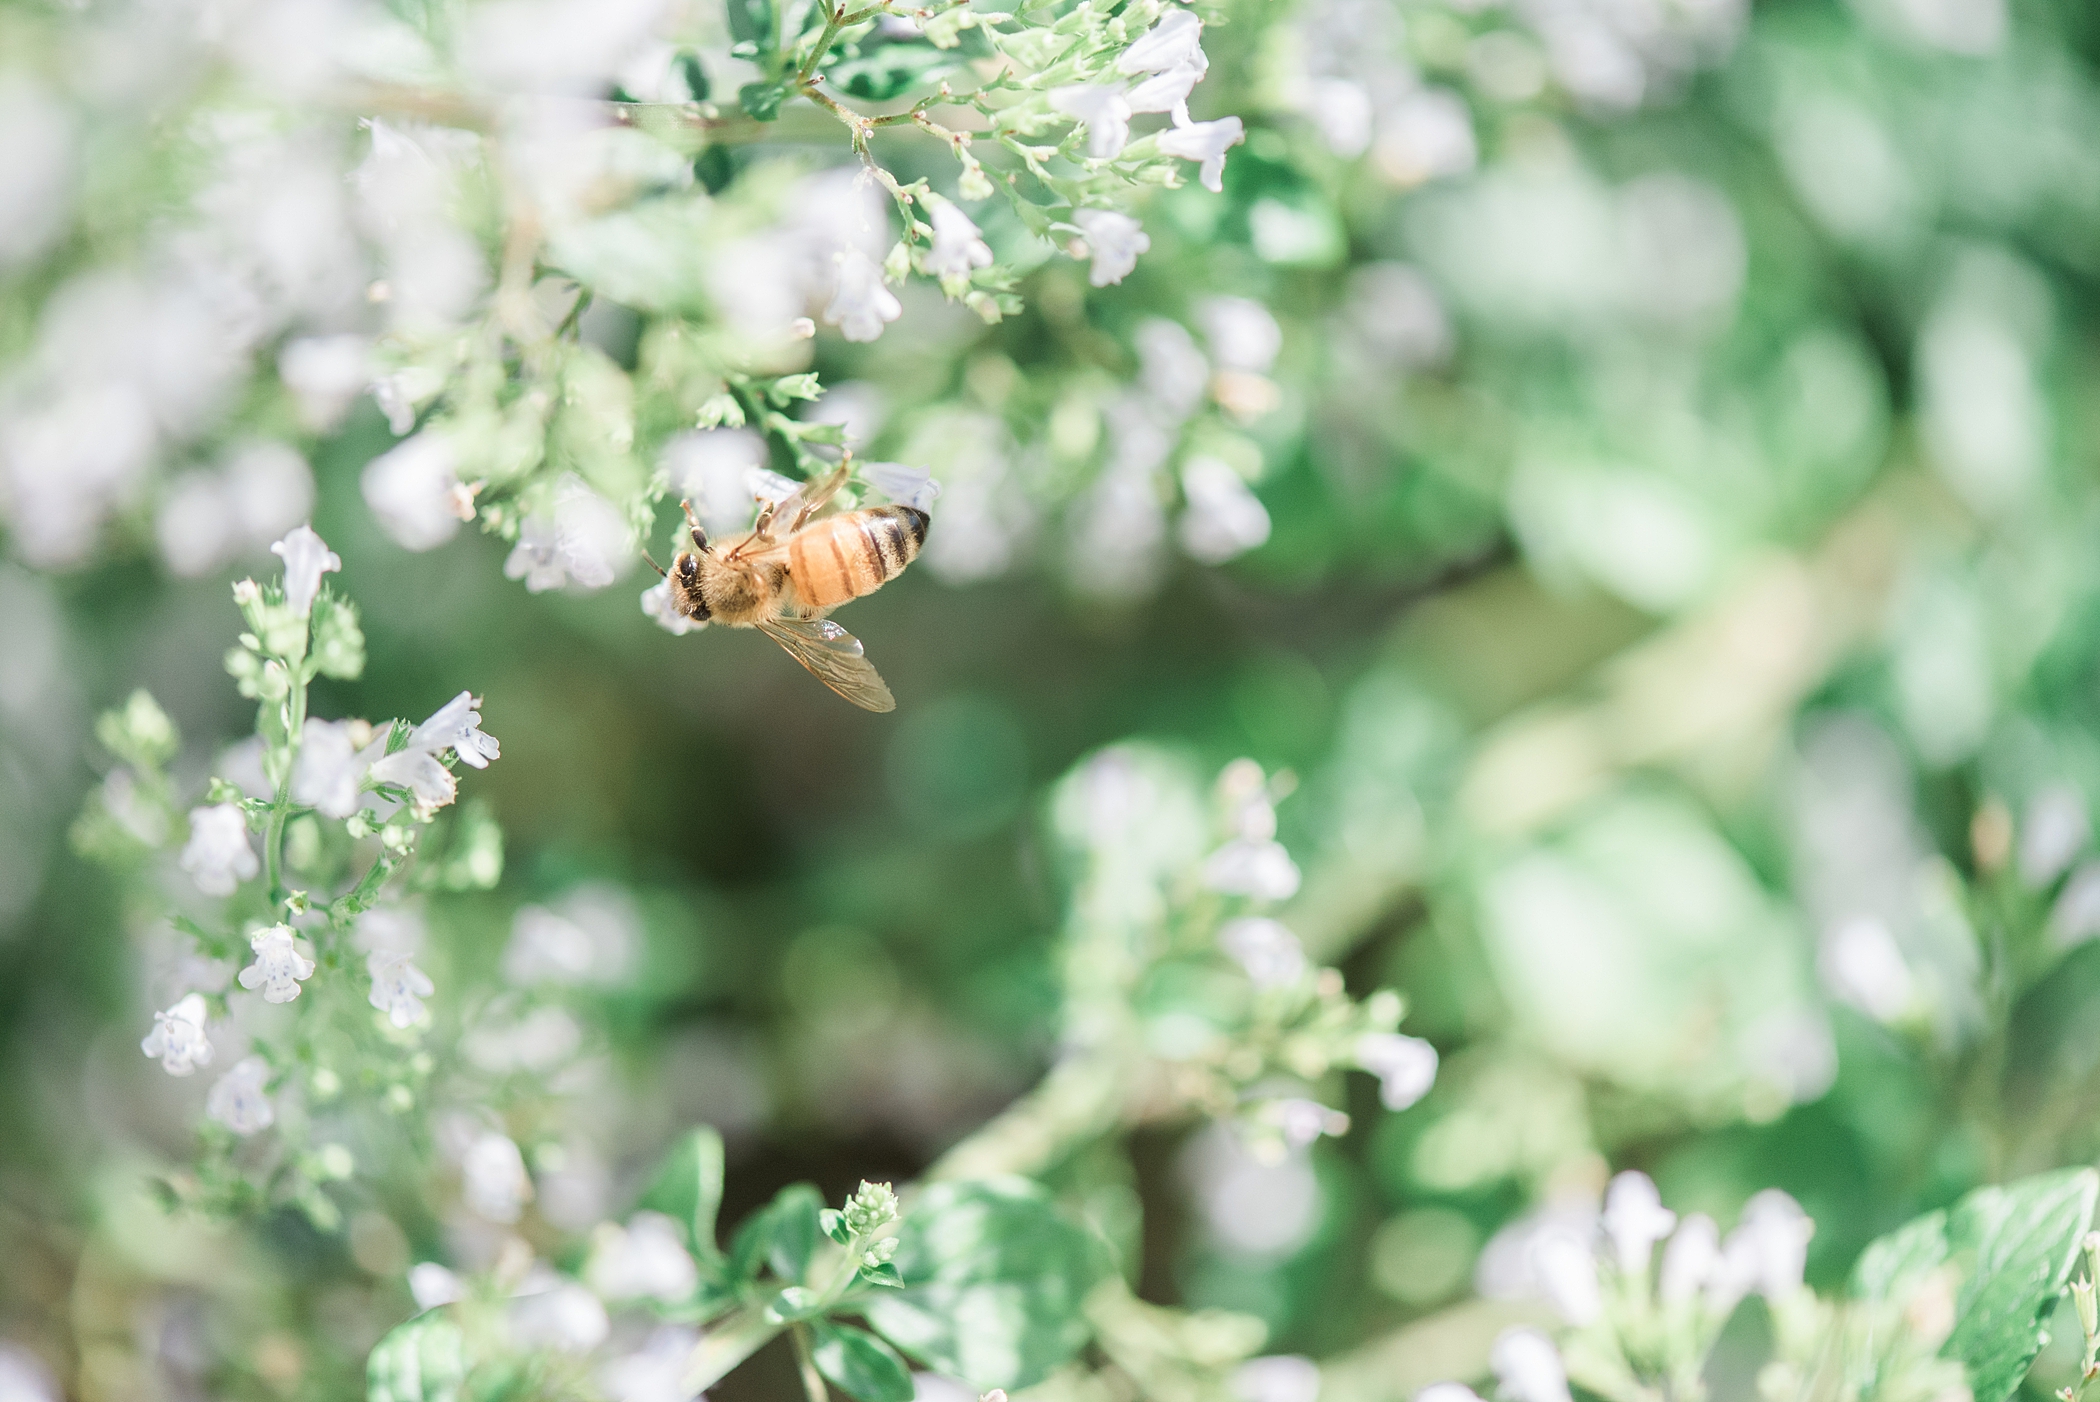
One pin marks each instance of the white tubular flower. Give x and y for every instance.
(1243, 334)
(492, 1178)
(585, 541)
(1224, 519)
(1277, 1377)
(326, 374)
(456, 726)
(329, 772)
(656, 603)
(593, 936)
(860, 304)
(178, 1039)
(567, 1318)
(1166, 92)
(1115, 241)
(240, 1101)
(1175, 42)
(1266, 949)
(278, 966)
(646, 1259)
(654, 1372)
(1529, 1367)
(1691, 1261)
(1405, 1066)
(1768, 1250)
(306, 558)
(414, 491)
(398, 987)
(432, 1285)
(1102, 110)
(1635, 1219)
(1205, 143)
(1261, 871)
(218, 856)
(420, 773)
(1567, 1270)
(958, 244)
(1301, 1121)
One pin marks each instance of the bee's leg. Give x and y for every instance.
(654, 566)
(763, 528)
(693, 524)
(814, 501)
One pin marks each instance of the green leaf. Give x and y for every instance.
(424, 1360)
(860, 1365)
(795, 1302)
(751, 22)
(994, 1277)
(833, 1222)
(884, 1275)
(2013, 1247)
(688, 1189)
(879, 72)
(783, 1234)
(761, 100)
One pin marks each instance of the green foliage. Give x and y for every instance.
(860, 1364)
(2012, 1248)
(424, 1360)
(688, 1190)
(995, 1277)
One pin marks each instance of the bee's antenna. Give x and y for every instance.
(654, 566)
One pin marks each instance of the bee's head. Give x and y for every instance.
(685, 575)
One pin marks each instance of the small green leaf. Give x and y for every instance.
(424, 1360)
(751, 22)
(2013, 1246)
(833, 1222)
(859, 1364)
(688, 1189)
(761, 100)
(994, 1277)
(884, 1274)
(782, 1234)
(879, 72)
(795, 1302)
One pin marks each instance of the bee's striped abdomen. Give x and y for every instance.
(855, 553)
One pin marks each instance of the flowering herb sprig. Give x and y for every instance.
(302, 830)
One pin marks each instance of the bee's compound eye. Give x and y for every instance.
(688, 567)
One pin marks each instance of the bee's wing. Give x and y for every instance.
(833, 656)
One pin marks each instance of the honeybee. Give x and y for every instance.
(783, 582)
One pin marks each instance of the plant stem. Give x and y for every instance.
(812, 1380)
(281, 805)
(723, 1348)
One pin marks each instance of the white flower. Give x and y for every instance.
(958, 244)
(1115, 241)
(329, 771)
(1635, 1219)
(306, 558)
(398, 987)
(1862, 964)
(1278, 1377)
(1768, 1250)
(539, 1041)
(390, 927)
(645, 1259)
(1447, 1392)
(1166, 92)
(1301, 1121)
(1224, 519)
(1691, 1260)
(493, 1178)
(1175, 42)
(860, 305)
(239, 1100)
(455, 726)
(278, 966)
(1567, 1270)
(413, 490)
(432, 1285)
(586, 540)
(565, 1317)
(656, 603)
(178, 1037)
(1243, 334)
(326, 374)
(1263, 871)
(593, 936)
(1405, 1066)
(1102, 110)
(2053, 831)
(1265, 948)
(1205, 143)
(1528, 1366)
(218, 856)
(656, 1371)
